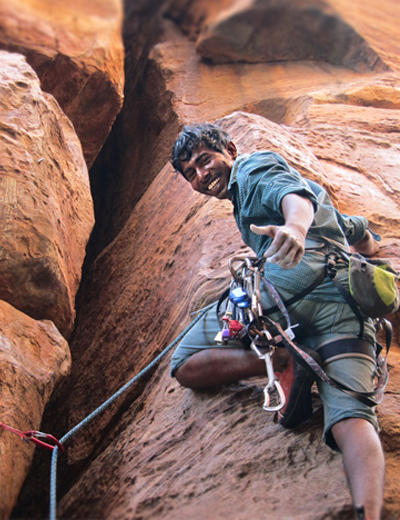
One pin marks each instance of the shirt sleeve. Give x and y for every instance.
(353, 227)
(272, 179)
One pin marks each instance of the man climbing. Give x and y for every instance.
(286, 219)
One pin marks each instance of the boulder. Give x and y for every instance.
(47, 209)
(76, 50)
(34, 357)
(255, 31)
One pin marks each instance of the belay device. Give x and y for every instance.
(245, 319)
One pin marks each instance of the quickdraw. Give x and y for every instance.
(35, 436)
(244, 316)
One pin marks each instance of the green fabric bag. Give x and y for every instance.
(373, 285)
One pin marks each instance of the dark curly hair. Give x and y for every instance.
(192, 136)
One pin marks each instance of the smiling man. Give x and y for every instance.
(209, 171)
(292, 222)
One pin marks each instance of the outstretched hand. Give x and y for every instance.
(287, 247)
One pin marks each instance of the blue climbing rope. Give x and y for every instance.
(102, 407)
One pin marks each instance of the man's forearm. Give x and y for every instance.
(288, 241)
(298, 212)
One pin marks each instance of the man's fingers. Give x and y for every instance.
(286, 249)
(287, 263)
(282, 245)
(263, 230)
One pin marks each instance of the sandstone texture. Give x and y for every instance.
(159, 251)
(76, 50)
(46, 217)
(217, 454)
(47, 209)
(139, 144)
(198, 452)
(34, 357)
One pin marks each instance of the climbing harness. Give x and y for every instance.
(35, 436)
(265, 334)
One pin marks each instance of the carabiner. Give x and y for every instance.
(34, 436)
(273, 384)
(268, 390)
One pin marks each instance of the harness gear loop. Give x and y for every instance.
(35, 436)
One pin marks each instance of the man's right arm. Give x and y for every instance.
(288, 241)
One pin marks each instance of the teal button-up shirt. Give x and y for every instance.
(258, 184)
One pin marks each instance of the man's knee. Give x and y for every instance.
(189, 373)
(184, 375)
(349, 429)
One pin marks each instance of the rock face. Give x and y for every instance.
(256, 31)
(76, 50)
(33, 358)
(46, 217)
(217, 454)
(175, 451)
(47, 209)
(159, 251)
(138, 145)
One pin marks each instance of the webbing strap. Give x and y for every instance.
(278, 300)
(300, 295)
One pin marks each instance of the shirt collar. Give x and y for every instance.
(234, 171)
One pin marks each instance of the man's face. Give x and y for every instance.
(208, 171)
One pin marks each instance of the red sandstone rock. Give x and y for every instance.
(47, 210)
(280, 30)
(33, 358)
(180, 87)
(173, 439)
(76, 50)
(217, 455)
(177, 453)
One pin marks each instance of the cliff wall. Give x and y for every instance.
(317, 81)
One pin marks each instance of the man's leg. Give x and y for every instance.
(364, 463)
(217, 366)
